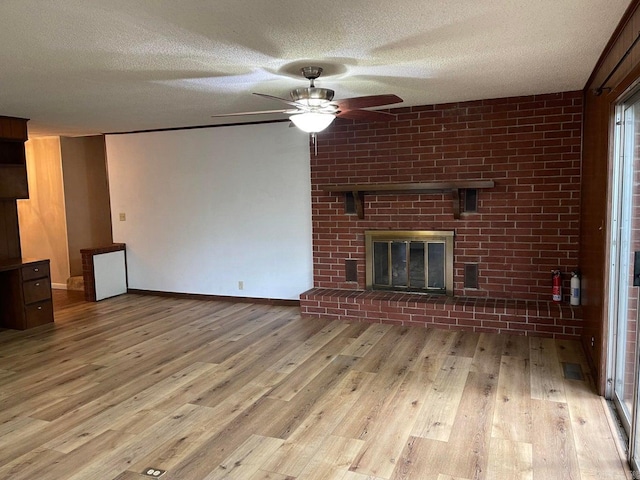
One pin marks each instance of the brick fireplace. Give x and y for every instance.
(524, 150)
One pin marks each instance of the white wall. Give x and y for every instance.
(209, 208)
(110, 275)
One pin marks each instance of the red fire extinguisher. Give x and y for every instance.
(556, 286)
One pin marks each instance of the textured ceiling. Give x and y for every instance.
(77, 67)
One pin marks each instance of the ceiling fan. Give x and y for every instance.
(314, 107)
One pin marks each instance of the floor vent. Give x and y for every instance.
(153, 472)
(572, 371)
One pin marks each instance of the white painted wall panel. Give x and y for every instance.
(209, 208)
(110, 274)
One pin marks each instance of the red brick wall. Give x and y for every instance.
(525, 227)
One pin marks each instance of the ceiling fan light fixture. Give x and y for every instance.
(312, 122)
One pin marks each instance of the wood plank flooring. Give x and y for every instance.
(221, 390)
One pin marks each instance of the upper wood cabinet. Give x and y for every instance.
(13, 164)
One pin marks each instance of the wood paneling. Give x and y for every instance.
(594, 208)
(86, 196)
(43, 228)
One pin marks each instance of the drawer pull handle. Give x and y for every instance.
(38, 284)
(36, 269)
(39, 308)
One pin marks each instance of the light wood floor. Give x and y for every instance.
(210, 390)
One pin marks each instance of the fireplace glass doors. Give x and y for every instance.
(410, 261)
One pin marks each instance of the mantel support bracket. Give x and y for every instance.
(360, 190)
(358, 198)
(455, 194)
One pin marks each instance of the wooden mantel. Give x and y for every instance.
(360, 190)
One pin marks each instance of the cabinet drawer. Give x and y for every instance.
(35, 270)
(39, 313)
(36, 290)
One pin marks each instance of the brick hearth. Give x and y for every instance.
(520, 317)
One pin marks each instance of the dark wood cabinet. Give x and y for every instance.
(13, 164)
(13, 128)
(25, 293)
(25, 285)
(13, 183)
(9, 230)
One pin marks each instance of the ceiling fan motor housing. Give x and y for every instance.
(312, 96)
(311, 73)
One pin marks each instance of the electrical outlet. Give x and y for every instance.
(153, 472)
(123, 217)
(240, 285)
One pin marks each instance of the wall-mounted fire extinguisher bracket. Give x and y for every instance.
(575, 288)
(556, 286)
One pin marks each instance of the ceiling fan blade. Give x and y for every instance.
(367, 115)
(238, 114)
(284, 100)
(368, 101)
